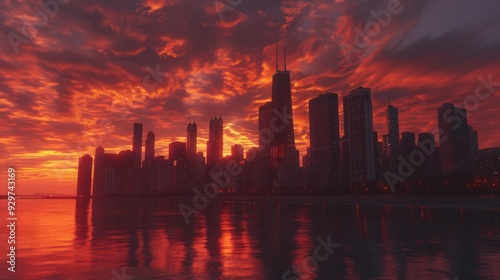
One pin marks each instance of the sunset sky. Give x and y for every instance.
(79, 82)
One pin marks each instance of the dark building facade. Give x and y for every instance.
(84, 183)
(407, 144)
(137, 144)
(98, 189)
(192, 136)
(285, 170)
(215, 142)
(454, 140)
(392, 145)
(263, 180)
(358, 131)
(237, 152)
(150, 147)
(325, 141)
(177, 155)
(430, 167)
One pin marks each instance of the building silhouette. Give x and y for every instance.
(192, 134)
(150, 147)
(215, 141)
(430, 167)
(148, 166)
(237, 152)
(284, 155)
(392, 141)
(98, 184)
(177, 156)
(324, 138)
(407, 144)
(137, 144)
(84, 182)
(358, 131)
(263, 180)
(454, 140)
(474, 146)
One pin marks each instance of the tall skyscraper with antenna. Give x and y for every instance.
(192, 133)
(284, 155)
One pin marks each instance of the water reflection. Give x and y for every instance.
(255, 240)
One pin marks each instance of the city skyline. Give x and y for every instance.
(85, 90)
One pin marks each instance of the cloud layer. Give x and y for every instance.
(77, 78)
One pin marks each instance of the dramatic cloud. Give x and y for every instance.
(76, 75)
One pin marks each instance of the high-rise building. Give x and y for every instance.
(98, 189)
(358, 130)
(392, 132)
(215, 141)
(192, 134)
(284, 155)
(84, 176)
(429, 168)
(150, 147)
(177, 151)
(474, 146)
(113, 175)
(345, 160)
(407, 144)
(385, 146)
(137, 144)
(263, 178)
(377, 150)
(454, 140)
(177, 155)
(237, 152)
(265, 133)
(325, 140)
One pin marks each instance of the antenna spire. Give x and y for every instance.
(284, 47)
(277, 69)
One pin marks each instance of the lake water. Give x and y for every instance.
(254, 239)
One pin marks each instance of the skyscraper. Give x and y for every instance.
(84, 176)
(454, 140)
(192, 134)
(177, 151)
(265, 133)
(150, 147)
(177, 156)
(263, 180)
(429, 168)
(407, 144)
(325, 140)
(474, 146)
(284, 155)
(137, 144)
(215, 141)
(98, 189)
(358, 127)
(392, 132)
(237, 152)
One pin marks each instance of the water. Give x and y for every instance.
(149, 239)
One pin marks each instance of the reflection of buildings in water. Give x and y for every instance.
(240, 239)
(81, 221)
